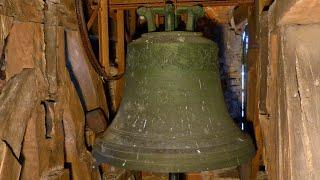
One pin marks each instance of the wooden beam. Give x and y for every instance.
(120, 41)
(104, 35)
(132, 4)
(93, 18)
(253, 88)
(177, 1)
(120, 55)
(131, 24)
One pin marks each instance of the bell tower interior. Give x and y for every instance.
(157, 89)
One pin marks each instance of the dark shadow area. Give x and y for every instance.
(216, 32)
(232, 93)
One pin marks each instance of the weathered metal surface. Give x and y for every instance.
(173, 117)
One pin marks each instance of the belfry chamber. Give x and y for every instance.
(173, 117)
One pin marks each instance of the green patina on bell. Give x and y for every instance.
(173, 117)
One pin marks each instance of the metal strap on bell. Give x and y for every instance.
(173, 117)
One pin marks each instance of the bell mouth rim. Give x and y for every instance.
(172, 33)
(190, 163)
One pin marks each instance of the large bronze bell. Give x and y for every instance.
(173, 117)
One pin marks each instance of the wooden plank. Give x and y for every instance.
(253, 53)
(9, 165)
(264, 47)
(120, 56)
(271, 127)
(104, 35)
(301, 61)
(253, 88)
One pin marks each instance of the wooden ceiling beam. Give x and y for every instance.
(130, 4)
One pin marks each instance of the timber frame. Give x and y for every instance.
(115, 9)
(133, 4)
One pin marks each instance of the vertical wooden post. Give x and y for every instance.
(104, 35)
(132, 23)
(120, 55)
(272, 130)
(253, 89)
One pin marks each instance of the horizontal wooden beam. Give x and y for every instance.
(129, 4)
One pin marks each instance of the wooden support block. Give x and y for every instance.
(96, 120)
